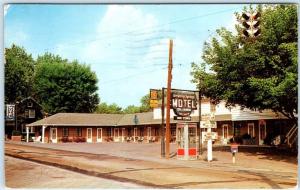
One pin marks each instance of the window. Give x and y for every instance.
(108, 132)
(65, 132)
(29, 104)
(212, 107)
(31, 113)
(156, 131)
(32, 129)
(237, 130)
(173, 132)
(79, 132)
(225, 131)
(142, 132)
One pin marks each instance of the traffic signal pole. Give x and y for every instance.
(169, 100)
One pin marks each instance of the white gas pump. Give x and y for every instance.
(186, 135)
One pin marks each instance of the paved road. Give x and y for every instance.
(158, 174)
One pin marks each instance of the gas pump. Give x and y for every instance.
(186, 137)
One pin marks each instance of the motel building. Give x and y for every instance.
(257, 126)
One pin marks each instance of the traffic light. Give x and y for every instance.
(251, 24)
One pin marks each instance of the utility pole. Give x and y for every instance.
(169, 100)
(162, 129)
(200, 129)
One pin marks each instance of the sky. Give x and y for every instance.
(127, 46)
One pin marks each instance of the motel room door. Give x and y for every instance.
(99, 134)
(262, 131)
(89, 137)
(53, 135)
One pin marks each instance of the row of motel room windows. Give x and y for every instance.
(117, 132)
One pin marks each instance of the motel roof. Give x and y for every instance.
(91, 119)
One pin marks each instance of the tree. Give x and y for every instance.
(19, 68)
(132, 109)
(112, 108)
(258, 73)
(145, 102)
(63, 86)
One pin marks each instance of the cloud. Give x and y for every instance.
(6, 7)
(117, 31)
(129, 53)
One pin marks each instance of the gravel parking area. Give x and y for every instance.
(151, 152)
(26, 174)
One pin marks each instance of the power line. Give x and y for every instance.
(137, 74)
(158, 26)
(130, 76)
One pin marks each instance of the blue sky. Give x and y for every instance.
(126, 45)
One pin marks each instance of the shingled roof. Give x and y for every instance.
(90, 119)
(79, 119)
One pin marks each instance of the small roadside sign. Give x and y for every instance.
(207, 124)
(187, 118)
(234, 147)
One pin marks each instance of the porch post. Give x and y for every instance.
(43, 133)
(27, 134)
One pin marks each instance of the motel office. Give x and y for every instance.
(146, 127)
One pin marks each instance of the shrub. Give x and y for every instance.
(16, 133)
(246, 136)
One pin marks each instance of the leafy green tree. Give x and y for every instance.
(145, 102)
(19, 68)
(256, 73)
(63, 86)
(106, 108)
(132, 109)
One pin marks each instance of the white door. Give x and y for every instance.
(251, 130)
(262, 133)
(89, 137)
(99, 134)
(53, 135)
(134, 133)
(123, 134)
(225, 133)
(116, 134)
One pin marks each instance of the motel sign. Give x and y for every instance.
(183, 103)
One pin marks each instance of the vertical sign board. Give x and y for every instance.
(153, 98)
(10, 112)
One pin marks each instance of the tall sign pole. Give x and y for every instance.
(162, 129)
(200, 129)
(169, 100)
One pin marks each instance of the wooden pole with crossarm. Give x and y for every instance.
(170, 66)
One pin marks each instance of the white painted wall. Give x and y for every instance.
(236, 112)
(205, 109)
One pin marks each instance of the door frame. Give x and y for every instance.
(87, 135)
(99, 139)
(253, 129)
(116, 134)
(260, 138)
(51, 135)
(123, 134)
